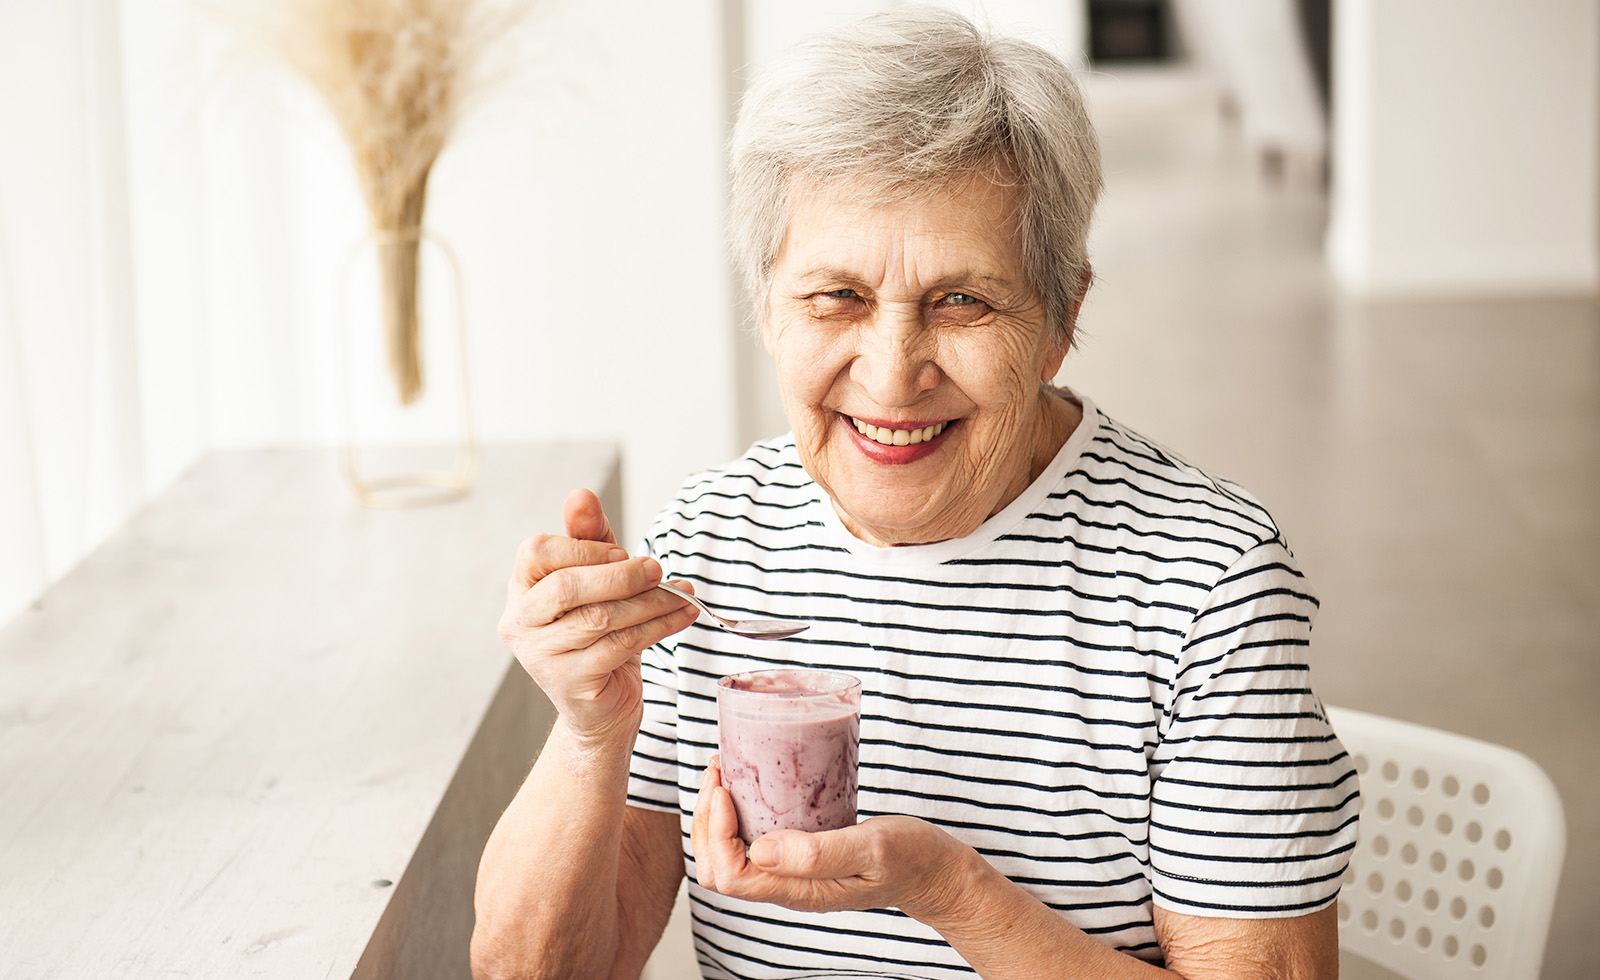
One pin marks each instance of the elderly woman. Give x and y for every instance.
(1088, 743)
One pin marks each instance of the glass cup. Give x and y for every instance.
(789, 742)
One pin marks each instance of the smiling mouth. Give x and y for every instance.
(886, 436)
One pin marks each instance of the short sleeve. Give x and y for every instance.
(1253, 799)
(653, 773)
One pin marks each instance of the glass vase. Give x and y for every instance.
(405, 400)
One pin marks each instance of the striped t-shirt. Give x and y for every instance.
(1103, 690)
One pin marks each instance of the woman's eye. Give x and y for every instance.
(840, 294)
(960, 299)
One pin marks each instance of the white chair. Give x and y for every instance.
(1460, 853)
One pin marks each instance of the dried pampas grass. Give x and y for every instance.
(395, 74)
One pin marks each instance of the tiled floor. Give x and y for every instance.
(1435, 464)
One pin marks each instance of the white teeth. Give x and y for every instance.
(897, 437)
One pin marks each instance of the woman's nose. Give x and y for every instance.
(894, 359)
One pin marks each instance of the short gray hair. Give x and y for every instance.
(905, 103)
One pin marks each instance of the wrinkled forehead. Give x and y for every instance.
(860, 230)
(875, 189)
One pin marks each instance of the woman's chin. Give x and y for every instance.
(879, 525)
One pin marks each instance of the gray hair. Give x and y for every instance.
(908, 102)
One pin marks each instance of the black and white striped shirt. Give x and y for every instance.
(1103, 690)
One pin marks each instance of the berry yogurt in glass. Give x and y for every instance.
(789, 742)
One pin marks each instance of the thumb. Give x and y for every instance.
(585, 519)
(826, 854)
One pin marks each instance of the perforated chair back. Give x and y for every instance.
(1459, 856)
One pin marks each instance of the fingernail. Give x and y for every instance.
(652, 570)
(766, 852)
(616, 554)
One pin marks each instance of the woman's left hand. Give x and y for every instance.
(883, 861)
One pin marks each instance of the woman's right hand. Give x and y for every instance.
(578, 614)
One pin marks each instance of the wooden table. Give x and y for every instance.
(265, 732)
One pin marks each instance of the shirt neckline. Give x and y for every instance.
(940, 552)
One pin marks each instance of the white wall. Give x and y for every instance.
(70, 400)
(1465, 143)
(584, 198)
(173, 212)
(1060, 26)
(589, 222)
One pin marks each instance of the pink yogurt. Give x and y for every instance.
(789, 742)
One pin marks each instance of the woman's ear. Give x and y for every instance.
(1058, 353)
(1085, 280)
(1052, 363)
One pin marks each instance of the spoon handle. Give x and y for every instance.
(684, 595)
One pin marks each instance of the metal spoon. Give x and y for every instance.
(755, 629)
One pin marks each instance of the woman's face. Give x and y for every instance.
(910, 350)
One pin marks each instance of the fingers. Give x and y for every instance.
(588, 541)
(610, 651)
(585, 519)
(592, 641)
(815, 872)
(622, 624)
(724, 825)
(600, 598)
(828, 854)
(720, 844)
(714, 833)
(544, 554)
(700, 828)
(655, 630)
